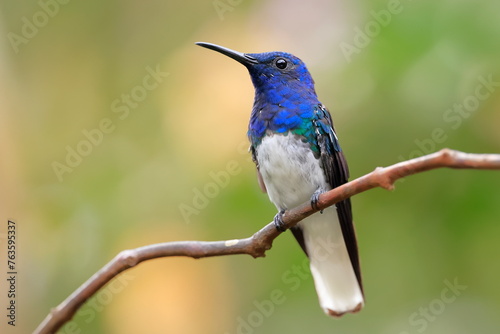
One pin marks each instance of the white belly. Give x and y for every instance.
(289, 169)
(292, 174)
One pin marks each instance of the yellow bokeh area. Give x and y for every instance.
(117, 131)
(156, 294)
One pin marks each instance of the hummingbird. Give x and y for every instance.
(297, 153)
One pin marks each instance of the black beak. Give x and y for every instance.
(242, 58)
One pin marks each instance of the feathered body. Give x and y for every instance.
(297, 153)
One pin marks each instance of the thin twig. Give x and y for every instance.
(261, 241)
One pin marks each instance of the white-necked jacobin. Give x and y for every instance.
(298, 156)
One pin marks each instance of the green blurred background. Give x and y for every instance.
(390, 72)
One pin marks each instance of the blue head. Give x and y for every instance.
(284, 90)
(280, 77)
(275, 75)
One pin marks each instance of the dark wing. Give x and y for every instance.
(337, 173)
(259, 176)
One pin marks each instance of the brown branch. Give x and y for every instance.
(261, 241)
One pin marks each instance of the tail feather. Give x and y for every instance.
(338, 288)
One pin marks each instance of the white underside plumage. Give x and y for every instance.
(291, 175)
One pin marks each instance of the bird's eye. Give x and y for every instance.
(281, 63)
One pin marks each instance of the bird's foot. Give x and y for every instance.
(278, 221)
(315, 199)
